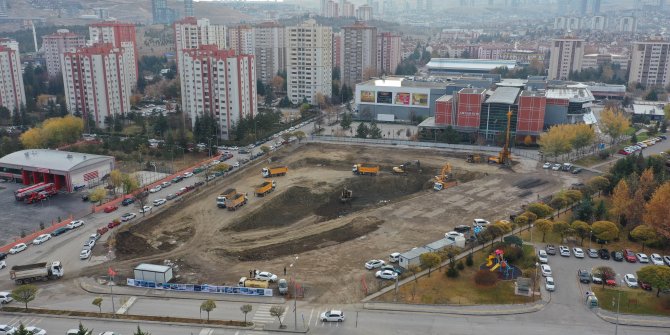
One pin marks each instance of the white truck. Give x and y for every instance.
(227, 194)
(23, 274)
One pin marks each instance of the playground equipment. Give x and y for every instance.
(497, 259)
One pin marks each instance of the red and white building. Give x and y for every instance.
(122, 36)
(95, 80)
(389, 53)
(191, 33)
(12, 92)
(270, 50)
(218, 83)
(56, 44)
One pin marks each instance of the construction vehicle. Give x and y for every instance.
(346, 195)
(23, 274)
(227, 194)
(250, 282)
(236, 201)
(402, 169)
(274, 171)
(473, 158)
(444, 180)
(365, 169)
(265, 188)
(504, 156)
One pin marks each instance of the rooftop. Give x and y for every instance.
(532, 94)
(152, 268)
(51, 159)
(504, 95)
(572, 92)
(472, 91)
(648, 108)
(403, 82)
(416, 252)
(446, 97)
(460, 64)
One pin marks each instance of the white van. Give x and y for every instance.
(394, 257)
(5, 297)
(241, 282)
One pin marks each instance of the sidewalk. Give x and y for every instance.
(481, 310)
(91, 286)
(633, 320)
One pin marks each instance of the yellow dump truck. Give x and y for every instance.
(265, 188)
(365, 168)
(236, 201)
(274, 171)
(245, 282)
(227, 194)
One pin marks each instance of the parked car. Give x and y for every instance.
(644, 285)
(332, 316)
(266, 276)
(604, 254)
(188, 174)
(630, 280)
(155, 189)
(102, 230)
(386, 274)
(94, 237)
(453, 234)
(145, 209)
(629, 255)
(165, 184)
(128, 216)
(642, 258)
(113, 224)
(18, 248)
(5, 298)
(666, 259)
(542, 255)
(373, 264)
(7, 330)
(171, 196)
(578, 252)
(549, 284)
(159, 202)
(3, 255)
(546, 270)
(480, 222)
(41, 239)
(127, 201)
(462, 229)
(617, 256)
(75, 224)
(89, 244)
(556, 167)
(550, 249)
(576, 170)
(110, 209)
(593, 253)
(546, 165)
(584, 276)
(564, 251)
(177, 179)
(596, 277)
(85, 253)
(60, 231)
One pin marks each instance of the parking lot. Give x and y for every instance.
(564, 271)
(18, 216)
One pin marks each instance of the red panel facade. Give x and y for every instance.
(443, 112)
(558, 102)
(469, 109)
(530, 118)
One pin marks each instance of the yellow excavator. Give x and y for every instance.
(504, 156)
(445, 179)
(402, 169)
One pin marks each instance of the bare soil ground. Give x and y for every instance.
(303, 227)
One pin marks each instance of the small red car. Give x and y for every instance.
(629, 255)
(644, 285)
(110, 209)
(113, 224)
(102, 230)
(610, 282)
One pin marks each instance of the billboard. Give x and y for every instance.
(384, 97)
(420, 99)
(368, 96)
(402, 98)
(200, 288)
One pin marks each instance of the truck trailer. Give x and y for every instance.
(23, 274)
(245, 282)
(236, 201)
(365, 169)
(265, 188)
(274, 171)
(227, 194)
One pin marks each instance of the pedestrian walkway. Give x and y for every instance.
(633, 320)
(26, 321)
(263, 317)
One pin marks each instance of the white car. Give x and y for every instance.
(480, 222)
(546, 165)
(165, 184)
(18, 248)
(549, 284)
(5, 298)
(453, 234)
(75, 224)
(89, 244)
(236, 164)
(556, 167)
(578, 252)
(3, 265)
(374, 263)
(6, 329)
(159, 202)
(72, 332)
(642, 258)
(41, 239)
(656, 259)
(109, 333)
(188, 174)
(387, 274)
(128, 216)
(542, 255)
(332, 316)
(630, 280)
(266, 276)
(145, 209)
(36, 331)
(155, 189)
(85, 253)
(546, 270)
(564, 251)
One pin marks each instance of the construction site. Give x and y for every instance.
(336, 207)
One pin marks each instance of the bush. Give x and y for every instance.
(512, 253)
(486, 278)
(452, 272)
(460, 266)
(468, 260)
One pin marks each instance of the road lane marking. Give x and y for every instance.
(123, 309)
(310, 316)
(206, 331)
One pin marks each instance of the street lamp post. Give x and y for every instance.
(590, 233)
(535, 279)
(531, 233)
(618, 304)
(295, 296)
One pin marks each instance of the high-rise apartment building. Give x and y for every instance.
(218, 83)
(12, 92)
(122, 36)
(270, 50)
(188, 8)
(348, 9)
(364, 13)
(95, 82)
(337, 49)
(650, 63)
(191, 33)
(241, 39)
(566, 57)
(309, 61)
(162, 14)
(389, 53)
(56, 44)
(359, 53)
(332, 9)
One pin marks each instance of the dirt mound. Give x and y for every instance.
(354, 229)
(130, 243)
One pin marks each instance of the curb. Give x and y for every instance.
(450, 310)
(627, 321)
(286, 330)
(128, 320)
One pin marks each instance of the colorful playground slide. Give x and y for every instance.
(489, 260)
(495, 267)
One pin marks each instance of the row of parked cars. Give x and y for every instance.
(43, 238)
(567, 167)
(641, 145)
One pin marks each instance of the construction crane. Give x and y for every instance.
(444, 180)
(504, 156)
(402, 169)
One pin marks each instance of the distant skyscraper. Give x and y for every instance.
(650, 63)
(566, 57)
(595, 7)
(583, 5)
(332, 9)
(309, 61)
(348, 9)
(364, 13)
(162, 14)
(358, 54)
(12, 91)
(56, 44)
(627, 24)
(188, 8)
(3, 8)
